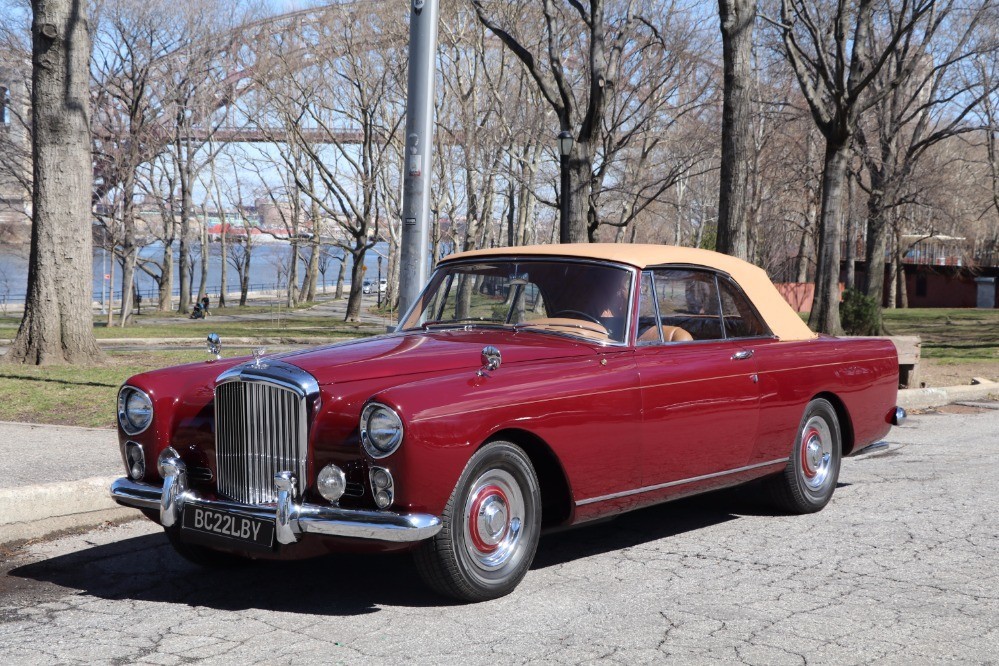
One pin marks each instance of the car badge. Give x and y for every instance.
(258, 355)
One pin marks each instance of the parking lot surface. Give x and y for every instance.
(899, 568)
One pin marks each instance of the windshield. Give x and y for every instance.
(566, 297)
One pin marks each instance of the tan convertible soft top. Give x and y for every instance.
(779, 316)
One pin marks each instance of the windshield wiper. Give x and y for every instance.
(447, 323)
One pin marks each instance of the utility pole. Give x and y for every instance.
(414, 260)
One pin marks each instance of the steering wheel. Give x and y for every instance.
(576, 314)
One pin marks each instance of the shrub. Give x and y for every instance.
(858, 314)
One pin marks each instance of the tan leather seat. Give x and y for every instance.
(670, 334)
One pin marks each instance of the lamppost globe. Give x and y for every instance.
(565, 141)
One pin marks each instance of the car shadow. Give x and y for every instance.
(146, 568)
(661, 521)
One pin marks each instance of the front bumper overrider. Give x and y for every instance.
(291, 519)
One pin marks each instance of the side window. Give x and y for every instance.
(740, 319)
(688, 301)
(648, 322)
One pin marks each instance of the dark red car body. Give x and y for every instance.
(608, 428)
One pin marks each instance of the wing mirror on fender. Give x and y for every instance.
(491, 360)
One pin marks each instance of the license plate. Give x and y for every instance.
(229, 526)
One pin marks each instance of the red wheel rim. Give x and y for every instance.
(483, 495)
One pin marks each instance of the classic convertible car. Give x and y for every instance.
(528, 388)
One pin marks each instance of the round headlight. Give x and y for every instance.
(135, 410)
(381, 430)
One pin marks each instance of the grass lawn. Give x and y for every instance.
(160, 326)
(83, 396)
(950, 335)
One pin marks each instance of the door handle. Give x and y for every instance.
(742, 355)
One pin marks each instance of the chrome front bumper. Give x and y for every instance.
(290, 519)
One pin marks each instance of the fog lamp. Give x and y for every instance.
(382, 487)
(331, 482)
(135, 460)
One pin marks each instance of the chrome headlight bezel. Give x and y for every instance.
(126, 409)
(374, 439)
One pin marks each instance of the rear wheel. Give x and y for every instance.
(492, 523)
(809, 480)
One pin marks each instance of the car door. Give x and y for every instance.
(699, 387)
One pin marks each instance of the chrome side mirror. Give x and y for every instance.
(214, 345)
(491, 360)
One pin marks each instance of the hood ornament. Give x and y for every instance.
(258, 356)
(491, 360)
(214, 344)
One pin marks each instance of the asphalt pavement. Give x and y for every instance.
(898, 569)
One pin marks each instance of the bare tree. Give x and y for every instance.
(831, 47)
(57, 326)
(131, 40)
(933, 86)
(737, 20)
(337, 111)
(576, 91)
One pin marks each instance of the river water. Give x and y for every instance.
(268, 271)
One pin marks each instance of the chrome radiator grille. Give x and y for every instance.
(260, 429)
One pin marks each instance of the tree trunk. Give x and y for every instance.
(851, 240)
(186, 210)
(224, 249)
(165, 283)
(356, 279)
(580, 179)
(903, 291)
(824, 317)
(58, 326)
(308, 292)
(244, 275)
(341, 276)
(877, 243)
(737, 20)
(205, 256)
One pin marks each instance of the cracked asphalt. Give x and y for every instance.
(900, 569)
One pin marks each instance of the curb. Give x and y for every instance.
(928, 398)
(32, 512)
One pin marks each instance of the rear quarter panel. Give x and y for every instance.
(860, 376)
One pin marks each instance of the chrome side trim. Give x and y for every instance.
(301, 518)
(680, 482)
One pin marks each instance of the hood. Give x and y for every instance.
(418, 352)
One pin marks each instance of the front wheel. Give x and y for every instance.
(492, 523)
(808, 481)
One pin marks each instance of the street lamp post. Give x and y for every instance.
(379, 281)
(565, 142)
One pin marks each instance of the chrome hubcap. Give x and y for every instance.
(494, 515)
(816, 452)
